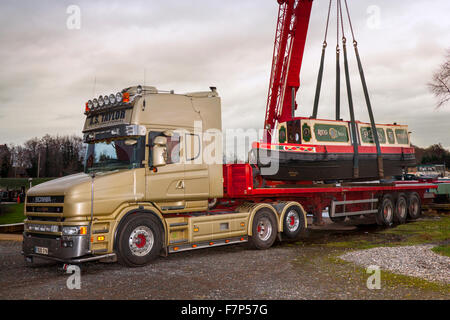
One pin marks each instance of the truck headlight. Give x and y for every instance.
(100, 101)
(119, 97)
(112, 99)
(74, 230)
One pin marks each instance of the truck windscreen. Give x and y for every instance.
(116, 154)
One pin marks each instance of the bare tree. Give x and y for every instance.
(440, 86)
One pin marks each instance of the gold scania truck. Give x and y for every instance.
(154, 184)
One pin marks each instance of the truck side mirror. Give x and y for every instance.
(159, 151)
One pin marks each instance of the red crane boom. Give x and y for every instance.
(290, 38)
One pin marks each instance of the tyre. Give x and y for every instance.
(139, 240)
(401, 209)
(386, 209)
(414, 206)
(293, 222)
(264, 230)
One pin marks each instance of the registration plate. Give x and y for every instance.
(41, 250)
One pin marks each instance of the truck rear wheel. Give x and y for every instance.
(264, 230)
(401, 209)
(293, 222)
(139, 240)
(414, 206)
(385, 214)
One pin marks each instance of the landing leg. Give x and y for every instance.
(318, 207)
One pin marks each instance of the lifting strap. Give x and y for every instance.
(350, 101)
(367, 98)
(338, 70)
(320, 75)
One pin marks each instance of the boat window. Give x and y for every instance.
(367, 137)
(402, 136)
(390, 136)
(282, 135)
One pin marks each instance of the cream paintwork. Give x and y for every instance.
(209, 227)
(111, 189)
(114, 219)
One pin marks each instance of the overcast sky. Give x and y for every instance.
(48, 70)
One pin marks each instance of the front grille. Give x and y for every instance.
(45, 209)
(45, 236)
(45, 199)
(52, 219)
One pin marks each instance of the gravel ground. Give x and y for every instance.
(285, 271)
(416, 261)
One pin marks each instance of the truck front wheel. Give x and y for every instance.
(139, 240)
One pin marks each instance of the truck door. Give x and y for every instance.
(165, 186)
(196, 175)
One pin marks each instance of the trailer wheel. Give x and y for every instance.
(401, 209)
(293, 222)
(264, 230)
(385, 214)
(139, 240)
(414, 206)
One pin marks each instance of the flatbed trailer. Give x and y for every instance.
(239, 184)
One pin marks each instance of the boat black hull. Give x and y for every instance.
(293, 166)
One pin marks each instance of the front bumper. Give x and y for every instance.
(60, 248)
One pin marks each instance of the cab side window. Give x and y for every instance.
(172, 154)
(173, 149)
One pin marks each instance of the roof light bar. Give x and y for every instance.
(112, 100)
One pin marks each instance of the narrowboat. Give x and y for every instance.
(317, 150)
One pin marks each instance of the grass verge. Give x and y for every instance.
(11, 213)
(17, 183)
(443, 250)
(425, 230)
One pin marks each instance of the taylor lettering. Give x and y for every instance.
(107, 117)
